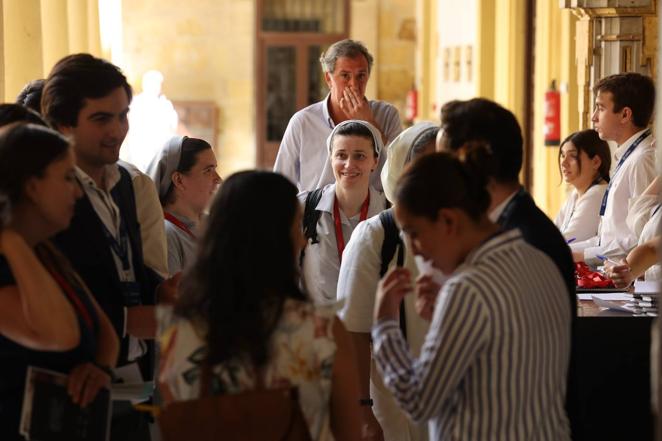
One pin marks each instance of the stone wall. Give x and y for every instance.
(205, 53)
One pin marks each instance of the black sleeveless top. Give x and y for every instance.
(15, 359)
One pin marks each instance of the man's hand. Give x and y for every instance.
(356, 106)
(426, 296)
(395, 285)
(84, 383)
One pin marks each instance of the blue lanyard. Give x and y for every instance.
(119, 246)
(625, 156)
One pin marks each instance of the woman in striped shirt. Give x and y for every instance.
(494, 362)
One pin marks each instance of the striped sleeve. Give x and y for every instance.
(459, 331)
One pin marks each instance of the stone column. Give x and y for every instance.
(22, 49)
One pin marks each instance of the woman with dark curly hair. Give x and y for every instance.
(241, 312)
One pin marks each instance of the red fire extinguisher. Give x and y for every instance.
(552, 116)
(411, 106)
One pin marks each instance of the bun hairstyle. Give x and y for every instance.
(443, 180)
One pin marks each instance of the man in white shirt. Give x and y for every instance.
(302, 154)
(624, 106)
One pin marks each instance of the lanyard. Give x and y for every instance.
(120, 246)
(625, 156)
(656, 210)
(73, 298)
(179, 224)
(340, 239)
(510, 206)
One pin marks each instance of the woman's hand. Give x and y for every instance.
(426, 296)
(620, 274)
(85, 380)
(395, 285)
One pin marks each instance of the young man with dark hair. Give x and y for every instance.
(87, 98)
(624, 106)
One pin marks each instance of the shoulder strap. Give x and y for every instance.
(392, 241)
(311, 215)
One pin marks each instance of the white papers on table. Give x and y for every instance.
(609, 296)
(611, 301)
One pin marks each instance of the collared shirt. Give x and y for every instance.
(321, 264)
(181, 245)
(615, 239)
(109, 214)
(494, 363)
(579, 217)
(496, 212)
(302, 155)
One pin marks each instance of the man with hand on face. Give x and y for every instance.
(302, 155)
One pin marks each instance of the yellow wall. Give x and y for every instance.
(395, 51)
(205, 53)
(22, 45)
(37, 33)
(388, 29)
(509, 57)
(555, 60)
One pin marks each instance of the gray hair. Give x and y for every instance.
(344, 48)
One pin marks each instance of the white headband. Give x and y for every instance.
(376, 135)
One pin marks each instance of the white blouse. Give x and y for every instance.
(579, 217)
(321, 265)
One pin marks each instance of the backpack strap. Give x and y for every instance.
(311, 215)
(392, 242)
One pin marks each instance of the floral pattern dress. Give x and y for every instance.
(302, 348)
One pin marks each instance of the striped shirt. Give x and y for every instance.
(494, 362)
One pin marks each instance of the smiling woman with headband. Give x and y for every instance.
(331, 213)
(184, 173)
